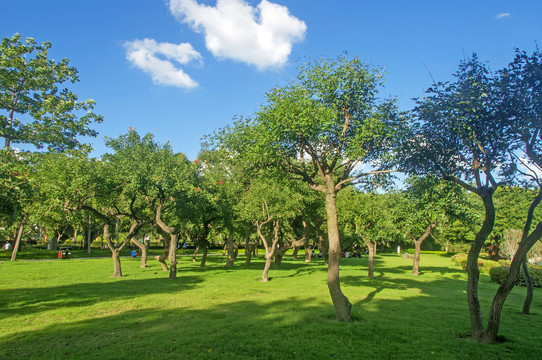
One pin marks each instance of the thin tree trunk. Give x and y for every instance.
(269, 249)
(371, 248)
(418, 248)
(340, 301)
(143, 248)
(530, 288)
(18, 240)
(294, 254)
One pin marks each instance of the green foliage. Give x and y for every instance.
(484, 265)
(29, 85)
(498, 275)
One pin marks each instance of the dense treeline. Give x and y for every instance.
(313, 169)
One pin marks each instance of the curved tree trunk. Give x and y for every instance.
(509, 283)
(269, 249)
(340, 301)
(143, 249)
(477, 327)
(418, 248)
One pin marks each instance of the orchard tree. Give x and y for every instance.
(155, 182)
(458, 135)
(37, 111)
(519, 104)
(370, 217)
(429, 204)
(269, 206)
(321, 129)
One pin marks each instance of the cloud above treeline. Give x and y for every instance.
(503, 15)
(160, 59)
(260, 36)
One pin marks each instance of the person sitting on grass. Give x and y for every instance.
(133, 254)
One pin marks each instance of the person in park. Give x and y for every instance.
(7, 246)
(133, 254)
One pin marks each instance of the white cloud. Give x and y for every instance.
(503, 15)
(158, 59)
(261, 36)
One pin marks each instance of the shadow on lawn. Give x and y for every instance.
(291, 328)
(28, 301)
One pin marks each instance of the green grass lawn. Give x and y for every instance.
(72, 309)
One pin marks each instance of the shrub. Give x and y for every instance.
(460, 260)
(499, 274)
(484, 265)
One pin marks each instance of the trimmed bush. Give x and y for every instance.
(483, 265)
(460, 260)
(499, 274)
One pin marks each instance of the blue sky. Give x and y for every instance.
(181, 69)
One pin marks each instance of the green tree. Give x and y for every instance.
(458, 135)
(429, 204)
(29, 88)
(320, 129)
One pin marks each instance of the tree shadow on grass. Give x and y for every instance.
(29, 301)
(297, 327)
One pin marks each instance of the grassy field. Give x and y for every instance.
(72, 309)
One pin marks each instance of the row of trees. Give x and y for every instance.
(304, 164)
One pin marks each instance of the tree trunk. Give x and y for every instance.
(173, 239)
(530, 288)
(340, 301)
(265, 277)
(508, 284)
(173, 256)
(232, 250)
(204, 255)
(89, 237)
(18, 240)
(418, 248)
(477, 327)
(269, 249)
(372, 251)
(143, 249)
(195, 253)
(294, 254)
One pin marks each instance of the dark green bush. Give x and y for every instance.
(499, 274)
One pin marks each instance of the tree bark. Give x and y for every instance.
(18, 240)
(172, 234)
(530, 288)
(371, 248)
(418, 248)
(340, 301)
(232, 250)
(508, 284)
(269, 249)
(477, 327)
(143, 249)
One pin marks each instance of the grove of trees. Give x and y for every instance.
(312, 169)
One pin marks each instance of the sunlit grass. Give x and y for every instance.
(73, 309)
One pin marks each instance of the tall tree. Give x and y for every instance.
(29, 88)
(320, 129)
(458, 135)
